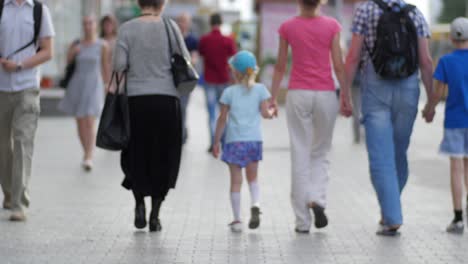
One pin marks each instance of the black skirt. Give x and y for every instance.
(151, 162)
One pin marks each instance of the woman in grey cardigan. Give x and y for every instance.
(151, 162)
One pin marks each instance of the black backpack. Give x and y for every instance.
(37, 14)
(395, 53)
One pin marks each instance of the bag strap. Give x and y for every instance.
(168, 33)
(407, 9)
(118, 81)
(37, 14)
(171, 32)
(384, 6)
(2, 2)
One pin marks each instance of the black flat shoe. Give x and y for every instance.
(321, 219)
(254, 217)
(140, 216)
(155, 224)
(304, 232)
(387, 231)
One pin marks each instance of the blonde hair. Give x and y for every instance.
(247, 79)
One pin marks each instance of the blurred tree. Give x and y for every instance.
(453, 9)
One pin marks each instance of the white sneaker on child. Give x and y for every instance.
(236, 226)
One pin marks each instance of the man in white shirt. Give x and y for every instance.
(19, 96)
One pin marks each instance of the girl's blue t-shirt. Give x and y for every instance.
(453, 70)
(244, 123)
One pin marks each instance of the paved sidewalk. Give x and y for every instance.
(87, 218)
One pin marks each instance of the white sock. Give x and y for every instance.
(236, 204)
(254, 193)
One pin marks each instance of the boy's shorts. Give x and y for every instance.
(455, 143)
(242, 153)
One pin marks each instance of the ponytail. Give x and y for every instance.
(248, 79)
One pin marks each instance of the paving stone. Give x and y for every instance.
(88, 218)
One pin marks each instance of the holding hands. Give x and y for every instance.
(346, 108)
(216, 150)
(428, 113)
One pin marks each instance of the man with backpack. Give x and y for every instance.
(390, 40)
(26, 33)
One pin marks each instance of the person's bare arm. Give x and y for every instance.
(220, 126)
(44, 55)
(434, 100)
(105, 66)
(280, 70)
(338, 66)
(72, 52)
(426, 65)
(353, 58)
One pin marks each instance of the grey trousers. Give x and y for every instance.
(19, 114)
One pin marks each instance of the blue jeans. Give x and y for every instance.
(389, 109)
(213, 93)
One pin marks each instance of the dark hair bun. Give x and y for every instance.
(311, 3)
(151, 3)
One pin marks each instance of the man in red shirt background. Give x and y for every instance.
(216, 50)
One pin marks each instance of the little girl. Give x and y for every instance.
(242, 106)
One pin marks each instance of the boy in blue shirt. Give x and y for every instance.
(452, 71)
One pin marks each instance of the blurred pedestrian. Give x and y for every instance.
(390, 93)
(22, 49)
(151, 162)
(242, 107)
(312, 105)
(108, 28)
(216, 50)
(452, 73)
(191, 41)
(84, 96)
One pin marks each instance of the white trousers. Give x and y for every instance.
(311, 119)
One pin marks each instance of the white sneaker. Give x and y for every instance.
(87, 165)
(456, 228)
(236, 226)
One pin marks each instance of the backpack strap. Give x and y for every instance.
(37, 14)
(2, 2)
(407, 9)
(384, 6)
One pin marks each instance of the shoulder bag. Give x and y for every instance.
(184, 74)
(114, 127)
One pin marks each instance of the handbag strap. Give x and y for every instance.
(170, 31)
(118, 81)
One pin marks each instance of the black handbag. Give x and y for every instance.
(69, 70)
(114, 127)
(184, 74)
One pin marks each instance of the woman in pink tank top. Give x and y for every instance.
(312, 105)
